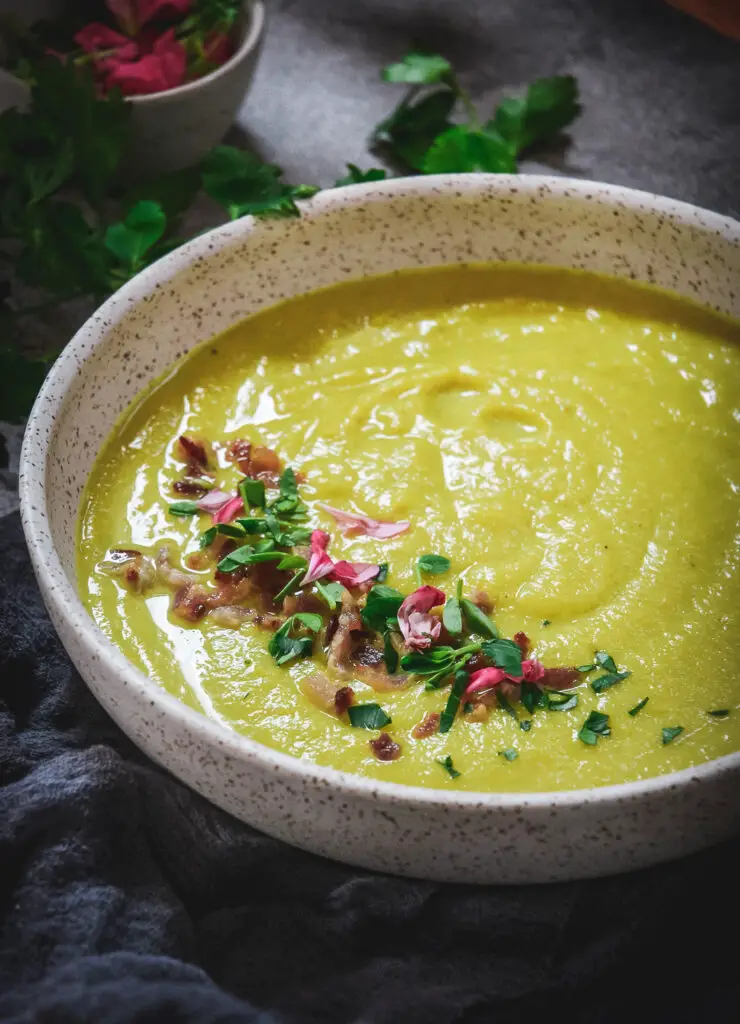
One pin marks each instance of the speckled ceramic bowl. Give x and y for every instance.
(213, 282)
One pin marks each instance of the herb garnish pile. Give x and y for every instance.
(70, 233)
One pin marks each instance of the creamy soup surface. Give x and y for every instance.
(568, 442)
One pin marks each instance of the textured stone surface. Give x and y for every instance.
(661, 92)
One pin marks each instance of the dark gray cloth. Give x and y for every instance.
(126, 898)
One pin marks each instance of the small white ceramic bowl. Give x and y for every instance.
(174, 129)
(214, 281)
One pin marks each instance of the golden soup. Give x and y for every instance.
(568, 442)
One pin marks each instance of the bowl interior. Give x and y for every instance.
(218, 279)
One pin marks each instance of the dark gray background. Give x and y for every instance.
(661, 92)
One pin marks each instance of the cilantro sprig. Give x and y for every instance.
(436, 128)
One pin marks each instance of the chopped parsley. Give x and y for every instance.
(390, 654)
(526, 724)
(719, 713)
(184, 508)
(382, 604)
(604, 660)
(504, 654)
(449, 767)
(561, 701)
(606, 681)
(382, 573)
(452, 616)
(284, 647)
(670, 732)
(583, 669)
(248, 555)
(638, 707)
(331, 593)
(596, 725)
(478, 621)
(368, 716)
(435, 565)
(252, 493)
(510, 754)
(546, 622)
(453, 701)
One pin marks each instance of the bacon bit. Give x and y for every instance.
(331, 628)
(193, 450)
(257, 462)
(343, 699)
(353, 574)
(268, 581)
(321, 692)
(131, 566)
(559, 678)
(427, 726)
(340, 647)
(303, 603)
(523, 642)
(189, 488)
(319, 564)
(418, 627)
(482, 600)
(234, 616)
(385, 748)
(366, 655)
(190, 602)
(479, 713)
(354, 524)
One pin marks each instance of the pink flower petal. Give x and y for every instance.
(419, 628)
(484, 679)
(356, 524)
(320, 564)
(228, 511)
(352, 574)
(532, 670)
(213, 501)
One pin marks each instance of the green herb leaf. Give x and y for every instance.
(382, 573)
(248, 555)
(433, 564)
(546, 622)
(293, 562)
(243, 184)
(357, 177)
(293, 537)
(560, 701)
(292, 585)
(412, 127)
(184, 508)
(418, 69)
(505, 704)
(583, 669)
(452, 616)
(526, 724)
(331, 593)
(285, 648)
(596, 725)
(463, 148)
(449, 767)
(606, 681)
(208, 537)
(447, 717)
(424, 663)
(510, 754)
(669, 734)
(310, 620)
(252, 525)
(390, 654)
(638, 707)
(550, 105)
(478, 621)
(606, 661)
(532, 697)
(382, 604)
(288, 484)
(252, 492)
(273, 525)
(718, 713)
(368, 716)
(221, 529)
(505, 654)
(129, 240)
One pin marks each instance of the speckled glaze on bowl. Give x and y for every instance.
(213, 282)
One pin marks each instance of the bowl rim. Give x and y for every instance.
(255, 12)
(62, 594)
